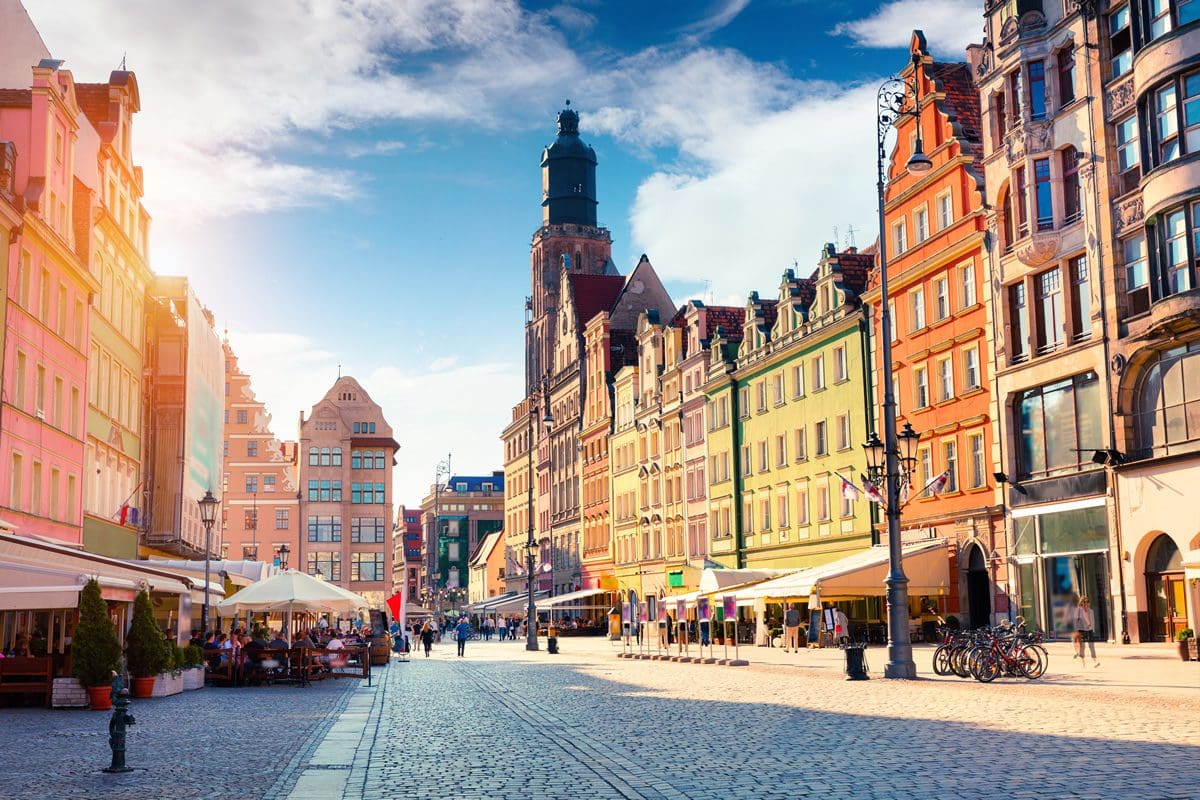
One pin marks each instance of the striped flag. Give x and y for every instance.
(849, 490)
(870, 490)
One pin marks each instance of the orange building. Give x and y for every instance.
(260, 510)
(942, 336)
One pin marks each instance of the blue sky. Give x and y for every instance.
(356, 182)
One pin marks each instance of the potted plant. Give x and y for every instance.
(95, 651)
(1182, 639)
(146, 652)
(193, 667)
(170, 680)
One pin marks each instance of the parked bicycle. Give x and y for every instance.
(987, 653)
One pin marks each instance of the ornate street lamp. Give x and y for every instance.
(892, 105)
(208, 515)
(284, 552)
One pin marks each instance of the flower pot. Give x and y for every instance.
(100, 697)
(193, 678)
(167, 684)
(1183, 650)
(1193, 646)
(142, 687)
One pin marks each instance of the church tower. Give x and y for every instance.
(569, 238)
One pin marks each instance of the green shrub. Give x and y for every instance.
(1184, 635)
(193, 656)
(95, 651)
(147, 651)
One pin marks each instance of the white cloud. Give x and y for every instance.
(382, 147)
(725, 12)
(767, 167)
(949, 25)
(224, 93)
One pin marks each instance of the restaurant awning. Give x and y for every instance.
(40, 574)
(518, 603)
(861, 574)
(486, 605)
(571, 598)
(716, 579)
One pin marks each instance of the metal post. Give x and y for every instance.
(892, 97)
(207, 569)
(116, 726)
(531, 642)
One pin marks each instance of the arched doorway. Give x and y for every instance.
(979, 591)
(1165, 589)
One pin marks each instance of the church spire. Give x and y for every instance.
(568, 175)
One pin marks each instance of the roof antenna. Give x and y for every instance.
(123, 61)
(835, 235)
(850, 235)
(339, 372)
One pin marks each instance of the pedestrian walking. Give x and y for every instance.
(427, 638)
(1084, 630)
(791, 629)
(841, 626)
(501, 627)
(462, 631)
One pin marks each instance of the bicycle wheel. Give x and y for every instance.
(1031, 662)
(986, 667)
(958, 661)
(941, 661)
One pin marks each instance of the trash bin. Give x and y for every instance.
(552, 641)
(856, 662)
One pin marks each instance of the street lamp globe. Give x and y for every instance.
(907, 439)
(875, 453)
(208, 508)
(284, 552)
(918, 163)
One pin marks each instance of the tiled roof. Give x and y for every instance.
(16, 97)
(93, 100)
(770, 309)
(624, 348)
(594, 293)
(728, 317)
(855, 268)
(962, 101)
(808, 290)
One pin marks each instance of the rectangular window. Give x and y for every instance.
(971, 368)
(945, 211)
(1037, 90)
(777, 381)
(355, 459)
(324, 529)
(1166, 125)
(252, 448)
(899, 237)
(748, 515)
(966, 284)
(781, 511)
(925, 470)
(920, 224)
(1065, 66)
(822, 503)
(1159, 12)
(801, 444)
(802, 506)
(941, 299)
(747, 460)
(916, 309)
(978, 465)
(250, 519)
(366, 567)
(1081, 299)
(355, 492)
(379, 459)
(327, 565)
(1177, 267)
(379, 498)
(268, 483)
(798, 380)
(840, 372)
(844, 432)
(821, 441)
(1018, 311)
(819, 373)
(945, 380)
(920, 387)
(761, 392)
(1013, 91)
(1137, 273)
(950, 459)
(1050, 327)
(1129, 158)
(764, 457)
(242, 417)
(1191, 107)
(1043, 195)
(1072, 204)
(314, 491)
(1059, 425)
(744, 402)
(252, 484)
(282, 519)
(1120, 41)
(781, 450)
(764, 506)
(1021, 200)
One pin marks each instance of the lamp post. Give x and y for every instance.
(443, 468)
(254, 524)
(208, 514)
(284, 552)
(892, 106)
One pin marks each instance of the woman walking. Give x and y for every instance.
(427, 638)
(1085, 630)
(501, 627)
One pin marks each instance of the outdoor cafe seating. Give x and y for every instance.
(297, 665)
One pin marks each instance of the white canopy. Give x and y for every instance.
(860, 574)
(714, 580)
(570, 598)
(292, 591)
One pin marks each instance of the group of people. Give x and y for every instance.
(220, 647)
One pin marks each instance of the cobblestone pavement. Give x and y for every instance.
(212, 743)
(503, 723)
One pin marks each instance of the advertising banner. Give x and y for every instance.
(702, 610)
(730, 605)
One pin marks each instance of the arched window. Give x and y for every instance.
(1167, 403)
(1164, 556)
(1007, 231)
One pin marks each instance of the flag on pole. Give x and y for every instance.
(870, 490)
(849, 490)
(905, 490)
(939, 483)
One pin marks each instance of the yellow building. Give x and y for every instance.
(623, 456)
(797, 400)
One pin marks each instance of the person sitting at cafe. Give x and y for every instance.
(20, 647)
(278, 643)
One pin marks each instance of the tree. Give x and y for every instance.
(95, 651)
(146, 651)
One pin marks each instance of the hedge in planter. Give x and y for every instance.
(147, 652)
(95, 651)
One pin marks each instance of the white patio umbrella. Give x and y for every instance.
(291, 591)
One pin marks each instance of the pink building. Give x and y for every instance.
(42, 410)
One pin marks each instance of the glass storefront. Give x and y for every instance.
(1062, 556)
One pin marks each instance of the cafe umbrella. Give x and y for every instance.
(291, 591)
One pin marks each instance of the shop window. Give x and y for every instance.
(1060, 427)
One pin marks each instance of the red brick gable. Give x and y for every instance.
(93, 101)
(730, 318)
(16, 97)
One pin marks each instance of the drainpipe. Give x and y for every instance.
(736, 459)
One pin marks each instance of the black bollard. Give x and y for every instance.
(116, 727)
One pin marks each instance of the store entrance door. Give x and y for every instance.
(1165, 588)
(979, 594)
